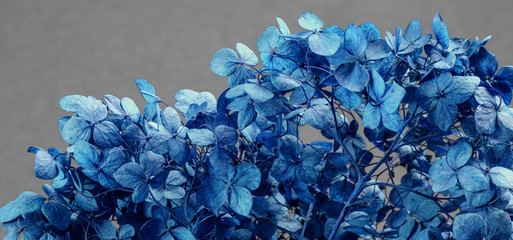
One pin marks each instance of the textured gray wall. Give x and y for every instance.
(53, 48)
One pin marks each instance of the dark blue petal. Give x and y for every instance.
(212, 193)
(485, 64)
(226, 135)
(152, 164)
(86, 201)
(106, 135)
(444, 114)
(57, 214)
(352, 76)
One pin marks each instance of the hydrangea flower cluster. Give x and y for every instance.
(418, 144)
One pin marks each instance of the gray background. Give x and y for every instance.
(53, 48)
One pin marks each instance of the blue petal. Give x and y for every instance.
(355, 41)
(347, 98)
(324, 43)
(469, 226)
(57, 214)
(393, 98)
(241, 200)
(130, 175)
(371, 31)
(10, 211)
(45, 166)
(224, 62)
(472, 179)
(413, 31)
(106, 135)
(130, 108)
(245, 117)
(226, 135)
(247, 56)
(247, 175)
(201, 137)
(501, 177)
(352, 76)
(459, 154)
(86, 155)
(485, 63)
(340, 57)
(240, 76)
(440, 31)
(444, 114)
(318, 116)
(152, 164)
(444, 177)
(147, 90)
(284, 29)
(75, 129)
(31, 202)
(371, 116)
(171, 120)
(258, 93)
(377, 49)
(212, 193)
(93, 110)
(268, 40)
(377, 86)
(462, 88)
(71, 103)
(310, 21)
(391, 120)
(505, 74)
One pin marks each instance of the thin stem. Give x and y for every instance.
(308, 214)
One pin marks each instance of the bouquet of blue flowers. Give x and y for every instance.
(418, 144)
